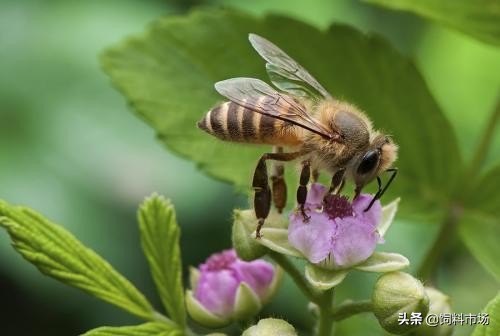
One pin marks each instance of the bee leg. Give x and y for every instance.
(315, 175)
(338, 181)
(305, 174)
(262, 197)
(279, 185)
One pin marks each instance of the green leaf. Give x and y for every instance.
(480, 223)
(480, 233)
(146, 329)
(324, 279)
(168, 73)
(493, 311)
(160, 242)
(478, 18)
(58, 254)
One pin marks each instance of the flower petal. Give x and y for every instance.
(354, 241)
(382, 262)
(216, 291)
(314, 238)
(247, 304)
(277, 240)
(315, 195)
(388, 213)
(257, 274)
(201, 315)
(324, 279)
(373, 215)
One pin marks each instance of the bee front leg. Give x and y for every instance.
(279, 184)
(262, 197)
(338, 181)
(305, 174)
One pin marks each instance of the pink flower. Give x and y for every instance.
(226, 286)
(339, 234)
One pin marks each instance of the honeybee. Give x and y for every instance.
(325, 133)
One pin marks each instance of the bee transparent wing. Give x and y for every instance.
(285, 73)
(259, 97)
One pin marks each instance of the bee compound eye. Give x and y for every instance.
(369, 162)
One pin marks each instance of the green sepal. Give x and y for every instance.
(201, 315)
(324, 279)
(247, 304)
(383, 262)
(277, 240)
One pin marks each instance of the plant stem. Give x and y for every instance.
(296, 276)
(349, 309)
(325, 319)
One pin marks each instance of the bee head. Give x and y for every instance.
(379, 156)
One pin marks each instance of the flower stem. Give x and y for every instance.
(325, 319)
(349, 309)
(296, 276)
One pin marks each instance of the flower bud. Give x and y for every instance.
(439, 304)
(245, 245)
(400, 302)
(271, 327)
(225, 288)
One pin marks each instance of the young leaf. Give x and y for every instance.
(57, 253)
(480, 225)
(160, 242)
(493, 311)
(168, 74)
(478, 18)
(146, 329)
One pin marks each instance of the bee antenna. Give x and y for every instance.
(381, 190)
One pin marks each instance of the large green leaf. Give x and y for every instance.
(478, 18)
(493, 326)
(480, 225)
(146, 329)
(167, 75)
(57, 253)
(160, 242)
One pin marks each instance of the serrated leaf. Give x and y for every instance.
(146, 329)
(160, 242)
(478, 18)
(168, 73)
(493, 311)
(58, 254)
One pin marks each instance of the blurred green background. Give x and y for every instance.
(70, 148)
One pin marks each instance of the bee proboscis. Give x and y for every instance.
(325, 133)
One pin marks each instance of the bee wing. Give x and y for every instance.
(259, 97)
(285, 73)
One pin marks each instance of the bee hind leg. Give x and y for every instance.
(262, 197)
(278, 183)
(305, 175)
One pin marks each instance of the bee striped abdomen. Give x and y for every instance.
(232, 122)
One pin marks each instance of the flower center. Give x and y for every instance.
(337, 206)
(220, 261)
